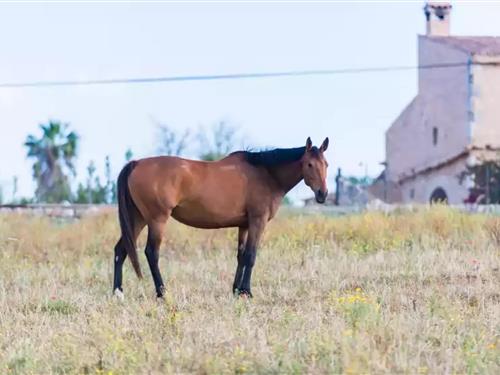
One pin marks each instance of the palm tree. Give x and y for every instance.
(54, 153)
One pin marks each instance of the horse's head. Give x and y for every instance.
(314, 166)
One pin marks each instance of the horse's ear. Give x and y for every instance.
(324, 145)
(309, 144)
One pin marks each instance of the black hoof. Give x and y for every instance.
(160, 293)
(245, 293)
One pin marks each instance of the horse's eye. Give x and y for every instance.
(309, 165)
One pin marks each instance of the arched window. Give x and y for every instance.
(439, 196)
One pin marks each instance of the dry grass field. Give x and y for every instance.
(415, 293)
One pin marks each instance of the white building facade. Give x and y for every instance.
(453, 120)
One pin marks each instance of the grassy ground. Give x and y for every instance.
(407, 293)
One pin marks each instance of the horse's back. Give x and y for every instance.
(197, 193)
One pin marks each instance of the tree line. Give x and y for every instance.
(54, 151)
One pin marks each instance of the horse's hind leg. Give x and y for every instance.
(155, 235)
(121, 255)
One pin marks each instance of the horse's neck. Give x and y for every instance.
(287, 175)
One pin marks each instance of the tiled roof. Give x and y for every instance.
(477, 45)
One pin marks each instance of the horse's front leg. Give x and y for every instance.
(242, 238)
(255, 230)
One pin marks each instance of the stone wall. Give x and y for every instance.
(442, 104)
(485, 98)
(71, 211)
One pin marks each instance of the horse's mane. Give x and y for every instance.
(274, 157)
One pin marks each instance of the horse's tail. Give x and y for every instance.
(126, 209)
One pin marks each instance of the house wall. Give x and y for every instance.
(445, 178)
(443, 102)
(486, 103)
(400, 154)
(444, 95)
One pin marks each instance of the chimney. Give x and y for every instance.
(437, 15)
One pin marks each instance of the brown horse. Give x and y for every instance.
(242, 190)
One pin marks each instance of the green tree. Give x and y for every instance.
(14, 189)
(217, 142)
(485, 178)
(110, 183)
(287, 201)
(54, 153)
(171, 142)
(90, 171)
(129, 154)
(94, 191)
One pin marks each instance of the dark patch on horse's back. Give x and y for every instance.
(274, 157)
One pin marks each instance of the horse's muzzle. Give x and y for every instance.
(321, 196)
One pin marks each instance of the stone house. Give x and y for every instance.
(452, 122)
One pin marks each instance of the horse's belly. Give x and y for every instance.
(201, 216)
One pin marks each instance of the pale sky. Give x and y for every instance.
(100, 41)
